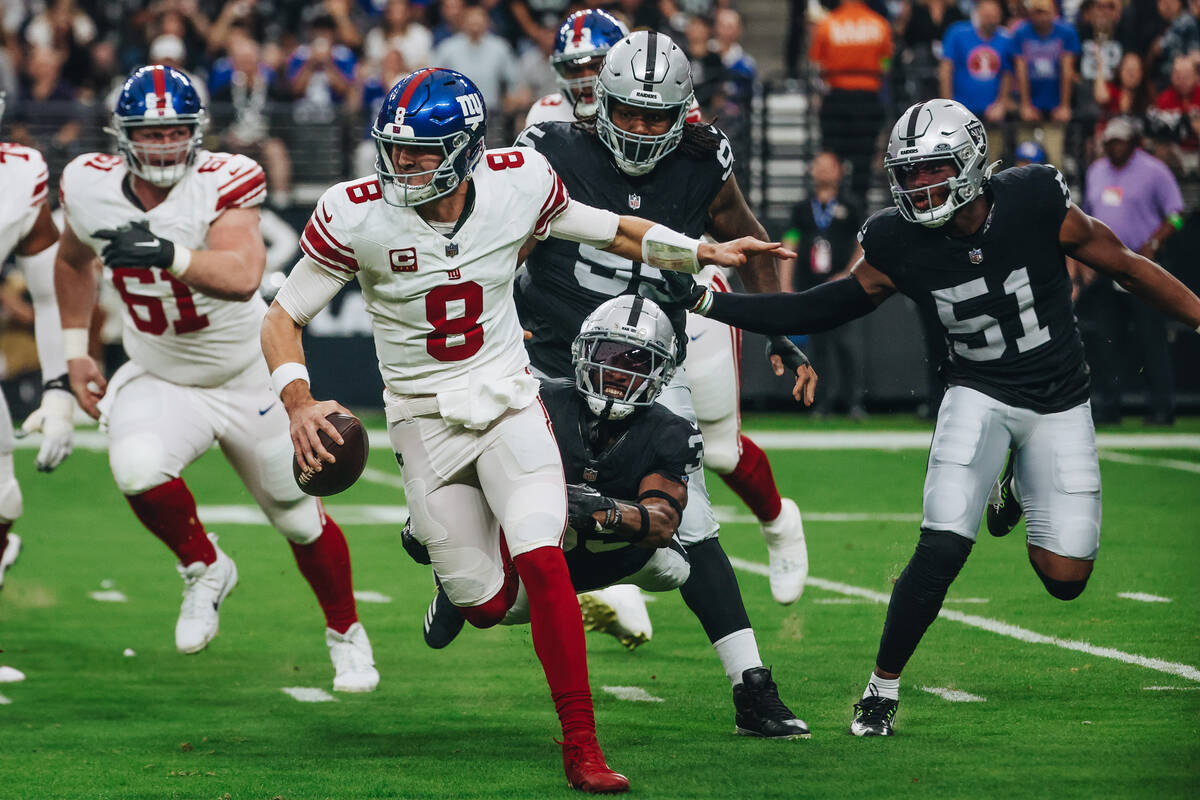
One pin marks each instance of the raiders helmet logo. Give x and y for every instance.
(635, 201)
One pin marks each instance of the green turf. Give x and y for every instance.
(476, 720)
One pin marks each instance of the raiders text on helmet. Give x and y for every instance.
(624, 355)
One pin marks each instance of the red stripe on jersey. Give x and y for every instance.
(238, 195)
(411, 89)
(329, 237)
(160, 86)
(577, 31)
(556, 203)
(238, 175)
(40, 192)
(322, 253)
(317, 244)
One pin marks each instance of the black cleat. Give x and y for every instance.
(873, 716)
(443, 621)
(1004, 508)
(416, 551)
(760, 712)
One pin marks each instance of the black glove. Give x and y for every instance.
(582, 502)
(133, 245)
(680, 290)
(793, 357)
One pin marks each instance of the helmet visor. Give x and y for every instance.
(621, 372)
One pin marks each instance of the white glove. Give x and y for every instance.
(56, 421)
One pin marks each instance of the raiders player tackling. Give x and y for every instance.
(986, 254)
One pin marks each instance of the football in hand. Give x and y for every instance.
(351, 458)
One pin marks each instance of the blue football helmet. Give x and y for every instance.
(582, 41)
(155, 96)
(1030, 151)
(431, 107)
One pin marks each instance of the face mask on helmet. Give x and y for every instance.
(459, 158)
(160, 160)
(617, 376)
(637, 154)
(576, 78)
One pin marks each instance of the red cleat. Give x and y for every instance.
(586, 770)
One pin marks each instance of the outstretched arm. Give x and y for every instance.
(1091, 241)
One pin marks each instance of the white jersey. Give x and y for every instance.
(24, 176)
(557, 108)
(176, 334)
(442, 306)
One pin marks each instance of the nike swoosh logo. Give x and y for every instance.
(328, 217)
(697, 336)
(263, 411)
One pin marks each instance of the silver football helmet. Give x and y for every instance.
(647, 70)
(3, 104)
(624, 355)
(935, 131)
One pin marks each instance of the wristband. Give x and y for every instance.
(181, 262)
(61, 382)
(704, 304)
(286, 373)
(644, 528)
(664, 248)
(75, 343)
(612, 517)
(1176, 221)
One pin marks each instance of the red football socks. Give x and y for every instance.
(558, 637)
(4, 528)
(753, 481)
(169, 511)
(325, 564)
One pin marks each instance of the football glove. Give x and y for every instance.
(680, 290)
(55, 418)
(582, 502)
(792, 356)
(134, 245)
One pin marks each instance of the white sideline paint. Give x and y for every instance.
(380, 476)
(635, 694)
(1143, 461)
(367, 596)
(11, 675)
(853, 601)
(996, 626)
(92, 439)
(1171, 688)
(109, 596)
(953, 695)
(309, 694)
(1144, 598)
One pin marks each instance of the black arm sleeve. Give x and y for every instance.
(787, 313)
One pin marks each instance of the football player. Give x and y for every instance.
(434, 239)
(28, 232)
(176, 228)
(640, 153)
(626, 459)
(984, 253)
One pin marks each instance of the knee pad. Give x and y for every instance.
(722, 449)
(938, 559)
(11, 504)
(300, 522)
(139, 463)
(1063, 590)
(667, 569)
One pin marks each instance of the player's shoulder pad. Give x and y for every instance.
(24, 170)
(524, 169)
(550, 137)
(238, 179)
(1041, 185)
(881, 226)
(707, 143)
(19, 155)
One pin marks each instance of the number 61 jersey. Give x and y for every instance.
(1002, 295)
(181, 336)
(441, 302)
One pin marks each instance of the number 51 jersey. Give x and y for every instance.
(441, 304)
(1002, 295)
(172, 332)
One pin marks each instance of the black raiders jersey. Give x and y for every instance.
(565, 281)
(1002, 295)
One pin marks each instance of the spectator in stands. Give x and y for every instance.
(976, 66)
(1174, 119)
(398, 30)
(853, 48)
(1129, 95)
(1100, 49)
(321, 72)
(707, 68)
(488, 60)
(1015, 12)
(184, 20)
(374, 84)
(538, 20)
(47, 111)
(449, 20)
(1044, 53)
(1137, 196)
(65, 27)
(1181, 38)
(347, 30)
(242, 86)
(923, 25)
(741, 71)
(535, 77)
(824, 232)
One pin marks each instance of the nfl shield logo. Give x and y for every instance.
(976, 256)
(635, 201)
(590, 474)
(452, 250)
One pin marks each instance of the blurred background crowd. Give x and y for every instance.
(806, 90)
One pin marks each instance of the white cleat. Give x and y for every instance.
(205, 588)
(619, 611)
(787, 552)
(9, 556)
(353, 662)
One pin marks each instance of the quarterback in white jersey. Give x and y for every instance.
(176, 230)
(27, 231)
(434, 241)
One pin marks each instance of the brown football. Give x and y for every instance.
(351, 458)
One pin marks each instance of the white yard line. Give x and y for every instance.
(1171, 688)
(1143, 461)
(954, 695)
(998, 627)
(309, 694)
(109, 596)
(1142, 597)
(367, 596)
(345, 514)
(635, 694)
(383, 477)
